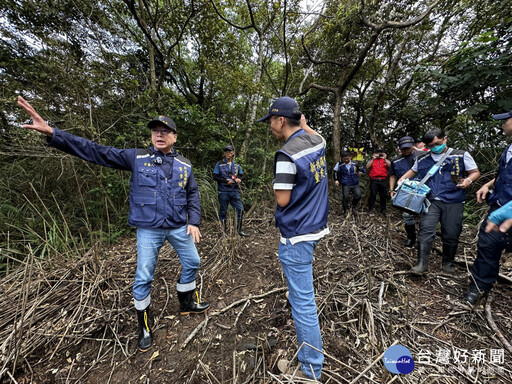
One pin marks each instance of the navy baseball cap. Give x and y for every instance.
(162, 120)
(503, 116)
(284, 106)
(406, 142)
(228, 148)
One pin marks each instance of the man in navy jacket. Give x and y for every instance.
(300, 189)
(228, 176)
(164, 205)
(347, 174)
(491, 244)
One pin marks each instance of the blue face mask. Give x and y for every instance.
(438, 149)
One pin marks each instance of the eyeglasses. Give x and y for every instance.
(163, 131)
(269, 120)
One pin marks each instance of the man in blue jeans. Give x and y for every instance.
(300, 189)
(228, 176)
(164, 205)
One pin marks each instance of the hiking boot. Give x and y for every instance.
(145, 335)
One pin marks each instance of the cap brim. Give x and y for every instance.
(408, 145)
(264, 118)
(502, 116)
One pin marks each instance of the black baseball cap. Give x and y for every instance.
(228, 148)
(284, 106)
(503, 116)
(379, 150)
(162, 120)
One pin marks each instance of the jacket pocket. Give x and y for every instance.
(180, 209)
(143, 209)
(147, 176)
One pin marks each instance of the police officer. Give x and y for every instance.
(164, 205)
(447, 195)
(228, 176)
(300, 189)
(491, 244)
(346, 174)
(399, 166)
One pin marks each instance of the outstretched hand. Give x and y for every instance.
(38, 124)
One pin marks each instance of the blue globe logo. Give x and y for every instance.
(398, 359)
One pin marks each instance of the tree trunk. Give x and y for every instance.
(253, 106)
(336, 127)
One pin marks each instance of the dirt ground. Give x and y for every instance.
(366, 298)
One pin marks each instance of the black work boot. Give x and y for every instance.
(473, 296)
(145, 334)
(239, 223)
(449, 252)
(410, 229)
(423, 255)
(189, 303)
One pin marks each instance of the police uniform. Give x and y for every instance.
(229, 193)
(447, 204)
(485, 269)
(349, 180)
(164, 199)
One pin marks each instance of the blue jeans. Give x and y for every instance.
(149, 242)
(297, 263)
(233, 197)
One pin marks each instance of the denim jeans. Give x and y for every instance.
(297, 263)
(233, 197)
(149, 242)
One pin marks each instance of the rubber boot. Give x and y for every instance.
(145, 335)
(423, 255)
(239, 223)
(410, 229)
(189, 303)
(449, 252)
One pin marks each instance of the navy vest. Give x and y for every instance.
(443, 183)
(309, 205)
(502, 191)
(401, 165)
(154, 197)
(347, 176)
(227, 171)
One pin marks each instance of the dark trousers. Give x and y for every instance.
(450, 217)
(347, 190)
(486, 267)
(378, 187)
(233, 198)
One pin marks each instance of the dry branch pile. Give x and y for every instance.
(74, 322)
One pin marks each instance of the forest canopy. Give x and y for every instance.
(367, 70)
